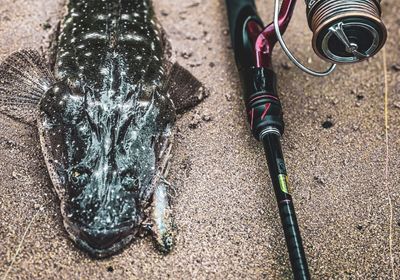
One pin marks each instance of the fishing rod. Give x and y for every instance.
(344, 31)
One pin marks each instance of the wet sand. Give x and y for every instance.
(345, 186)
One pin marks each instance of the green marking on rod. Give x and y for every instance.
(284, 183)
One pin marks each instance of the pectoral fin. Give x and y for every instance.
(24, 78)
(184, 89)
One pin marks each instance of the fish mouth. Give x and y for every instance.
(101, 243)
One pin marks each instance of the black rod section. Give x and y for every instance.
(277, 171)
(265, 116)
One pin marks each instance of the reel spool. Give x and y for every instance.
(346, 31)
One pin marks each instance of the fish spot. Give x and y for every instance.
(101, 17)
(131, 37)
(94, 35)
(67, 21)
(126, 17)
(64, 54)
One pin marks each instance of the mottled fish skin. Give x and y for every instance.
(105, 125)
(101, 36)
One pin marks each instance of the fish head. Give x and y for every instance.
(103, 210)
(104, 160)
(107, 198)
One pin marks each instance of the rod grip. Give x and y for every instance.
(293, 240)
(260, 95)
(238, 11)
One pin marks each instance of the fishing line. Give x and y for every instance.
(289, 53)
(387, 161)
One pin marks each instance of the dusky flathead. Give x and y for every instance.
(105, 117)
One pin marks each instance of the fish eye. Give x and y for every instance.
(79, 177)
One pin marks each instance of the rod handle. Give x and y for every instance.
(238, 11)
(293, 240)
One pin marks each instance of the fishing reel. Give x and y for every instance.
(344, 31)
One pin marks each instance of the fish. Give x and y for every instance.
(105, 107)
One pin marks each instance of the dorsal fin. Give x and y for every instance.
(24, 78)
